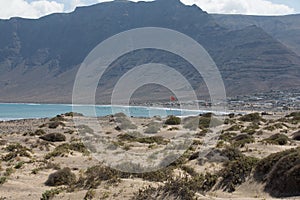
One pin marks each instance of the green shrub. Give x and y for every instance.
(277, 139)
(149, 140)
(65, 148)
(3, 179)
(280, 173)
(237, 140)
(61, 177)
(231, 115)
(50, 194)
(241, 140)
(19, 165)
(54, 137)
(207, 121)
(252, 117)
(73, 114)
(236, 172)
(232, 153)
(251, 129)
(265, 166)
(190, 170)
(274, 127)
(38, 132)
(156, 176)
(293, 118)
(181, 188)
(90, 195)
(154, 139)
(146, 193)
(16, 150)
(120, 115)
(96, 174)
(296, 136)
(227, 136)
(55, 124)
(58, 118)
(9, 171)
(173, 120)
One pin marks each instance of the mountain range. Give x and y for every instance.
(39, 58)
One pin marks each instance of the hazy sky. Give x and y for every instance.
(38, 8)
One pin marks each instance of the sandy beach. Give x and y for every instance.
(67, 157)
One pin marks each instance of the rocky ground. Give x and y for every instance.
(254, 156)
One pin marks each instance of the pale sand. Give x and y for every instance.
(22, 184)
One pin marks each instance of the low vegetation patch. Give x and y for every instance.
(277, 139)
(232, 153)
(227, 136)
(242, 139)
(280, 173)
(181, 188)
(54, 137)
(141, 139)
(61, 177)
(38, 132)
(55, 124)
(208, 120)
(95, 175)
(236, 170)
(252, 117)
(296, 136)
(65, 148)
(173, 120)
(237, 140)
(293, 118)
(50, 194)
(16, 150)
(3, 179)
(73, 114)
(251, 129)
(58, 118)
(275, 127)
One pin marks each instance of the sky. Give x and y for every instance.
(39, 8)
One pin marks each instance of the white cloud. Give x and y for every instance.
(35, 9)
(75, 3)
(38, 8)
(248, 7)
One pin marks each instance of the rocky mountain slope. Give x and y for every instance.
(286, 29)
(39, 58)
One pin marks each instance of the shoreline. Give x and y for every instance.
(135, 111)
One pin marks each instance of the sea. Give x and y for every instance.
(15, 111)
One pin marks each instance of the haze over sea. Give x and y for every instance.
(13, 111)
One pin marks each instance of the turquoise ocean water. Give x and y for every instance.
(14, 111)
